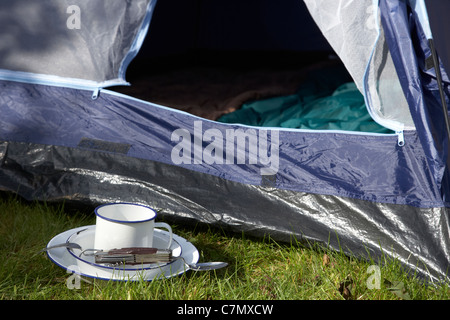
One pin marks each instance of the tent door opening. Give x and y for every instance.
(256, 63)
(295, 90)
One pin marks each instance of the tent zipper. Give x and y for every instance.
(95, 94)
(50, 80)
(401, 138)
(397, 129)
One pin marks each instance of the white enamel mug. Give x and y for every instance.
(125, 225)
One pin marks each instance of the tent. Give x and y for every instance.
(71, 129)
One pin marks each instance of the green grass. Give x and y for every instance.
(259, 269)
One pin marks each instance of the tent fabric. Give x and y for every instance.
(439, 25)
(362, 192)
(357, 165)
(409, 46)
(353, 30)
(417, 237)
(72, 42)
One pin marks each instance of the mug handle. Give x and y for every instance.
(166, 226)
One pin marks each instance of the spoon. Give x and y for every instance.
(69, 245)
(203, 266)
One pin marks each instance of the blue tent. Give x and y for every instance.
(69, 133)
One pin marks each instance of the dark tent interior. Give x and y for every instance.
(214, 59)
(209, 57)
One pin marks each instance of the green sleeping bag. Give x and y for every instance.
(316, 105)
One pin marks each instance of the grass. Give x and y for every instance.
(259, 269)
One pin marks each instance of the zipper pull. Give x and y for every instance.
(95, 94)
(401, 138)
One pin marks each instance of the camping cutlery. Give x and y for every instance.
(134, 256)
(69, 245)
